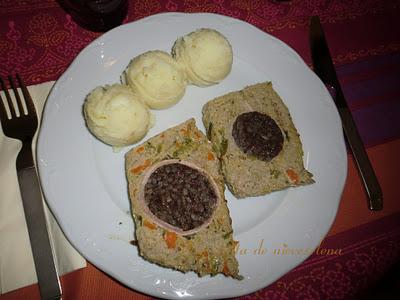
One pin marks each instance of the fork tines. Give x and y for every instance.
(30, 108)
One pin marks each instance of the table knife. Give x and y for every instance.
(324, 68)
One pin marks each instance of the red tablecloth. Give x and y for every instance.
(39, 40)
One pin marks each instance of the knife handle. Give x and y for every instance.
(371, 184)
(46, 272)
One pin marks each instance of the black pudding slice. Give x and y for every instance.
(180, 196)
(258, 135)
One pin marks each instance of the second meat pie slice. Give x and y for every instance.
(177, 193)
(255, 139)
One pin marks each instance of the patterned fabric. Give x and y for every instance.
(371, 90)
(350, 267)
(39, 40)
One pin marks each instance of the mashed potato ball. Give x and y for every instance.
(157, 78)
(206, 55)
(116, 116)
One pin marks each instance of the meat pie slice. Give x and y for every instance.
(177, 193)
(254, 136)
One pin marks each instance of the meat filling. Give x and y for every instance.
(180, 196)
(258, 135)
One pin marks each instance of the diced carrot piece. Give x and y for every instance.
(170, 239)
(140, 149)
(292, 175)
(210, 156)
(141, 168)
(225, 270)
(149, 224)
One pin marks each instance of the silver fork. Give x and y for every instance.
(23, 127)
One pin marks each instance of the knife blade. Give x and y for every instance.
(324, 68)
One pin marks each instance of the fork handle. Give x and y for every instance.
(46, 272)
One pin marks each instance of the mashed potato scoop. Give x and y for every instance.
(116, 116)
(157, 78)
(206, 55)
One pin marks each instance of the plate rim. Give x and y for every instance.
(95, 42)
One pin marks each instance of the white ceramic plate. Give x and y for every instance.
(85, 186)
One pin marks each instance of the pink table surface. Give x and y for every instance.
(39, 40)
